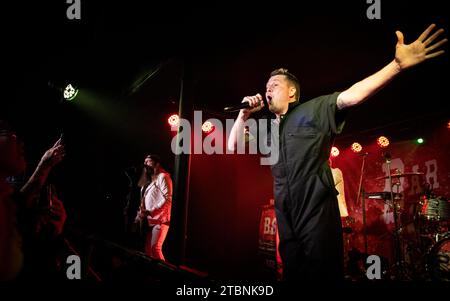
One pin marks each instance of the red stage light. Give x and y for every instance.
(173, 120)
(356, 147)
(207, 127)
(448, 125)
(383, 141)
(334, 152)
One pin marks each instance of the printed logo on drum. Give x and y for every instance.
(374, 269)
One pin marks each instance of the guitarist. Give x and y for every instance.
(156, 203)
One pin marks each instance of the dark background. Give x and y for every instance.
(127, 60)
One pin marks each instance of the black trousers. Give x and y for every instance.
(310, 231)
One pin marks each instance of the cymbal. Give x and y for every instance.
(400, 174)
(382, 195)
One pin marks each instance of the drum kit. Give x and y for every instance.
(424, 252)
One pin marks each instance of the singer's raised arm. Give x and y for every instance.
(406, 56)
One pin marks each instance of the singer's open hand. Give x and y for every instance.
(424, 48)
(256, 104)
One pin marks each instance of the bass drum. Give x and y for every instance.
(438, 259)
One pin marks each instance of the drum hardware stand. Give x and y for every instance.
(361, 196)
(398, 256)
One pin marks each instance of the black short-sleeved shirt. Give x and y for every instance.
(306, 134)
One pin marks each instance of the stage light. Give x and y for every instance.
(420, 141)
(207, 127)
(70, 92)
(356, 147)
(173, 120)
(334, 152)
(448, 125)
(383, 142)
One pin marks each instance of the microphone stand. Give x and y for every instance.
(362, 193)
(128, 200)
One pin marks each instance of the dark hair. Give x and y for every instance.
(154, 157)
(290, 77)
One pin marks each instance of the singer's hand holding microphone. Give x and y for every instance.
(250, 104)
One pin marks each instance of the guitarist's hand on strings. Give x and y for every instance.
(143, 213)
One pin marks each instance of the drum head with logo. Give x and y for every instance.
(438, 261)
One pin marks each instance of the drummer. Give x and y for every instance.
(339, 186)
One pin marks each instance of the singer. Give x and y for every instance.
(306, 207)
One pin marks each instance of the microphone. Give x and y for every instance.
(363, 154)
(243, 105)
